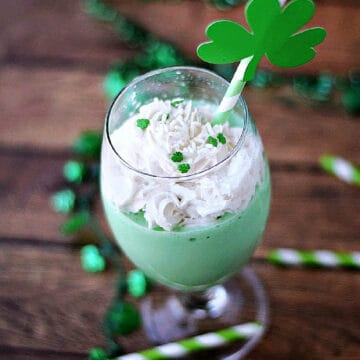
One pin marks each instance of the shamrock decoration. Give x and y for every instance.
(274, 34)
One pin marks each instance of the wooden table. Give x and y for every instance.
(52, 62)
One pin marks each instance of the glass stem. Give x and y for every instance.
(207, 303)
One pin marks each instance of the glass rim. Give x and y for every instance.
(197, 174)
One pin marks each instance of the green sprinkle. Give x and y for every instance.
(221, 138)
(168, 116)
(176, 102)
(177, 157)
(142, 123)
(184, 168)
(211, 140)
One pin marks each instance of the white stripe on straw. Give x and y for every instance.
(319, 258)
(196, 343)
(234, 90)
(232, 93)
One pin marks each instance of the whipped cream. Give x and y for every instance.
(179, 126)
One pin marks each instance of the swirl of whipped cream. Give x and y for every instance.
(186, 129)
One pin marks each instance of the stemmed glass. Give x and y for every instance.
(207, 286)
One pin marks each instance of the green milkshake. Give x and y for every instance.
(196, 257)
(186, 201)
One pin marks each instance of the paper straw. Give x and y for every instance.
(316, 258)
(341, 168)
(232, 93)
(200, 342)
(234, 90)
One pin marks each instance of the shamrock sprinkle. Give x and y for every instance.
(177, 157)
(184, 168)
(142, 123)
(211, 140)
(176, 102)
(221, 138)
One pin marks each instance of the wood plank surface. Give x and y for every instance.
(53, 59)
(47, 109)
(43, 32)
(309, 209)
(51, 305)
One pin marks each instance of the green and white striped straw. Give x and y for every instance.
(200, 342)
(232, 93)
(315, 258)
(341, 168)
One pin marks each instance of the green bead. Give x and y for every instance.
(74, 171)
(91, 259)
(118, 77)
(131, 33)
(163, 55)
(114, 349)
(88, 144)
(351, 101)
(75, 223)
(121, 319)
(97, 354)
(137, 283)
(99, 10)
(63, 201)
(113, 84)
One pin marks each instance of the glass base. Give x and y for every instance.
(170, 315)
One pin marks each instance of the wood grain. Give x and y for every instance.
(58, 33)
(49, 108)
(49, 304)
(309, 209)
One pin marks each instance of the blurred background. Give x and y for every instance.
(61, 63)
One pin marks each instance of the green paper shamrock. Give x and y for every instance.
(274, 33)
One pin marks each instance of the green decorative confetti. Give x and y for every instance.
(142, 123)
(91, 259)
(74, 171)
(221, 138)
(177, 157)
(63, 201)
(184, 168)
(211, 140)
